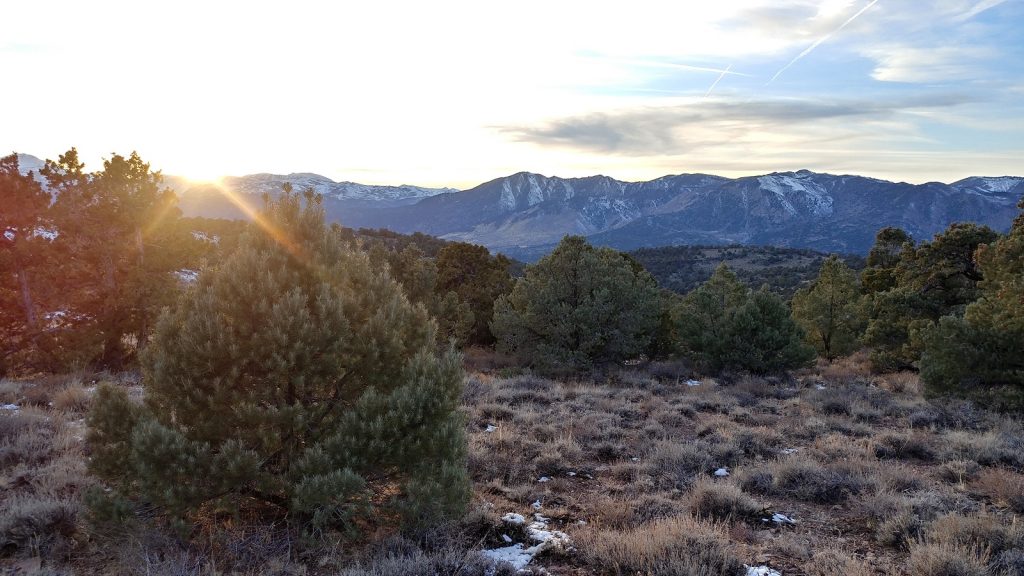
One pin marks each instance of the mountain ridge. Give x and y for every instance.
(525, 213)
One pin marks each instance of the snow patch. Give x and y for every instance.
(761, 571)
(780, 519)
(187, 275)
(519, 554)
(722, 472)
(13, 407)
(693, 382)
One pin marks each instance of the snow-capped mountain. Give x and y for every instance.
(271, 183)
(525, 214)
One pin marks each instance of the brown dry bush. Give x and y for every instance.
(680, 546)
(833, 562)
(804, 479)
(723, 501)
(73, 399)
(1003, 487)
(677, 465)
(929, 559)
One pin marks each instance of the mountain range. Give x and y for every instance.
(525, 214)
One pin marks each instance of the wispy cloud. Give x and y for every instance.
(978, 8)
(652, 130)
(819, 41)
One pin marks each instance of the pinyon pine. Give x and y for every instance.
(296, 374)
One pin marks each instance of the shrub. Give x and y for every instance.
(671, 547)
(722, 501)
(296, 374)
(811, 482)
(928, 559)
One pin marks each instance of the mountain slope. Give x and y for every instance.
(524, 214)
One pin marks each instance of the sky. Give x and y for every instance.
(457, 93)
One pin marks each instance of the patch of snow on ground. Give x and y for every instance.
(789, 450)
(513, 518)
(779, 519)
(519, 555)
(693, 382)
(722, 472)
(8, 407)
(762, 571)
(491, 428)
(186, 275)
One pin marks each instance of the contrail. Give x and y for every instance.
(658, 64)
(717, 80)
(811, 48)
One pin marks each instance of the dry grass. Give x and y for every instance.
(669, 547)
(878, 480)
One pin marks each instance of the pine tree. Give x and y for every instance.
(296, 373)
(721, 325)
(703, 317)
(762, 337)
(830, 311)
(980, 354)
(115, 232)
(932, 280)
(577, 308)
(478, 279)
(24, 223)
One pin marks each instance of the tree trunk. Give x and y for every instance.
(143, 324)
(31, 317)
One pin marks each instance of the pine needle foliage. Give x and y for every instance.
(298, 374)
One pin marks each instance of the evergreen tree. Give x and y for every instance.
(932, 280)
(885, 255)
(116, 230)
(24, 230)
(298, 374)
(478, 279)
(703, 317)
(830, 310)
(721, 325)
(578, 307)
(762, 337)
(980, 354)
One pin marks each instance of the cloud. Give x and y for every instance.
(653, 130)
(922, 64)
(822, 39)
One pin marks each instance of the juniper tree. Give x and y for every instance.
(703, 317)
(830, 310)
(579, 307)
(296, 373)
